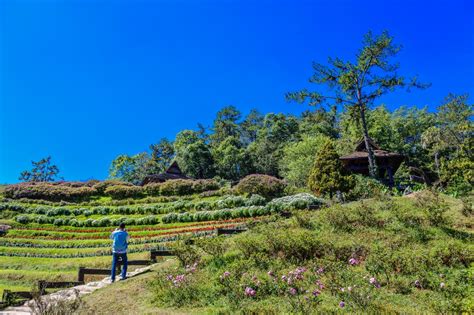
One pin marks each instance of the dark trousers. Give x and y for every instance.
(119, 257)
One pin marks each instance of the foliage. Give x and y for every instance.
(364, 187)
(123, 192)
(42, 171)
(48, 191)
(132, 169)
(327, 175)
(264, 185)
(358, 84)
(295, 202)
(162, 154)
(360, 257)
(298, 159)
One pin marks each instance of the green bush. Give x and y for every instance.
(123, 192)
(365, 187)
(264, 185)
(102, 186)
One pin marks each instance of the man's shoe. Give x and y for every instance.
(121, 279)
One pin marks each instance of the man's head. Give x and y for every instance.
(122, 226)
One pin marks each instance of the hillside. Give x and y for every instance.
(405, 255)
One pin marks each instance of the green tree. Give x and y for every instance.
(267, 151)
(358, 84)
(250, 126)
(132, 169)
(320, 122)
(196, 160)
(162, 154)
(450, 143)
(231, 160)
(327, 175)
(42, 171)
(298, 159)
(193, 155)
(225, 125)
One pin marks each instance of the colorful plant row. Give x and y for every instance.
(133, 241)
(130, 229)
(98, 237)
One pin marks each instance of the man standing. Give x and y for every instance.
(119, 250)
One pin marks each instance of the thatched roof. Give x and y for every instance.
(361, 152)
(173, 172)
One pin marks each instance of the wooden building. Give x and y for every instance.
(173, 172)
(387, 162)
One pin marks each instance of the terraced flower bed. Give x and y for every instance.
(50, 240)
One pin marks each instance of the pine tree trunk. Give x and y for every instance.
(371, 156)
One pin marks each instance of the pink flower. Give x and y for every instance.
(320, 270)
(373, 280)
(283, 278)
(270, 273)
(353, 262)
(316, 292)
(249, 292)
(169, 277)
(342, 304)
(292, 291)
(349, 289)
(342, 289)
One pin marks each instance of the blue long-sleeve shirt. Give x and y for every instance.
(120, 243)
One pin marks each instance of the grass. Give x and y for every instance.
(116, 299)
(401, 243)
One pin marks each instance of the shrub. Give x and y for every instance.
(177, 187)
(295, 202)
(23, 219)
(153, 189)
(123, 192)
(264, 185)
(48, 191)
(365, 187)
(102, 186)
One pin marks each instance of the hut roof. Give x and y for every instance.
(173, 172)
(361, 152)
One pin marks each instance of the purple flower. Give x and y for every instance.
(342, 289)
(249, 292)
(270, 273)
(320, 270)
(283, 278)
(418, 284)
(169, 277)
(373, 280)
(353, 262)
(292, 291)
(342, 304)
(316, 292)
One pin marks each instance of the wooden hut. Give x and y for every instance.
(173, 172)
(387, 162)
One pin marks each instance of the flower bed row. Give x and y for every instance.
(133, 241)
(130, 229)
(228, 201)
(98, 237)
(300, 201)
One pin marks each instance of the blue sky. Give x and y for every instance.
(87, 80)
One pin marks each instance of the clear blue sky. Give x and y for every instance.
(87, 80)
